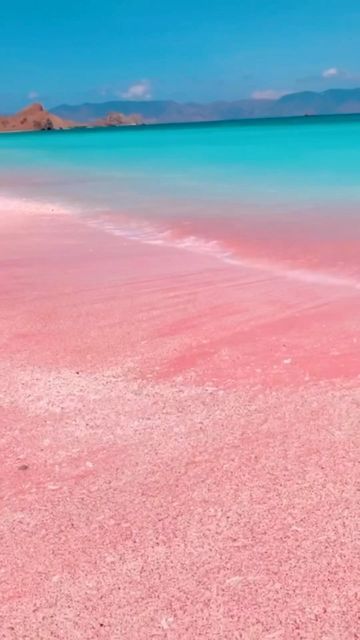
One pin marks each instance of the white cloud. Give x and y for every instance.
(332, 72)
(138, 91)
(32, 95)
(336, 72)
(268, 94)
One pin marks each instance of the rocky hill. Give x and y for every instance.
(115, 119)
(34, 118)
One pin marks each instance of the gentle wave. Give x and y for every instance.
(150, 235)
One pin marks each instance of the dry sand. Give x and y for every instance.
(179, 442)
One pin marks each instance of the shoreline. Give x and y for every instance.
(141, 231)
(179, 441)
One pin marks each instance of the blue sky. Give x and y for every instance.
(200, 50)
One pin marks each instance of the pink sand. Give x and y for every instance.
(179, 442)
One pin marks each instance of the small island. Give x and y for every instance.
(36, 118)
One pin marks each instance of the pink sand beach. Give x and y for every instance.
(179, 441)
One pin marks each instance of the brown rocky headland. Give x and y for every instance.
(36, 118)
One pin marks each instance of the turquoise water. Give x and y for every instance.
(304, 157)
(298, 167)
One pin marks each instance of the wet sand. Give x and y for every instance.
(179, 441)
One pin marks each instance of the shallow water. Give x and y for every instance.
(284, 193)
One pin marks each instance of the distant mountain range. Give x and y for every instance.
(333, 101)
(125, 112)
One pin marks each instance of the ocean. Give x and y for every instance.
(281, 193)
